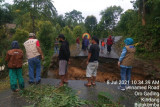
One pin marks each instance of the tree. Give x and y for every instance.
(36, 8)
(128, 21)
(68, 34)
(110, 17)
(78, 31)
(21, 36)
(45, 36)
(5, 14)
(60, 20)
(1, 1)
(74, 17)
(90, 24)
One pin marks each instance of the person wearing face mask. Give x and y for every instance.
(64, 55)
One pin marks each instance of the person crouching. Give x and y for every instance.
(14, 58)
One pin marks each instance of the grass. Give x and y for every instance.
(50, 96)
(4, 84)
(148, 56)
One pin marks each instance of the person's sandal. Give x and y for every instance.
(60, 85)
(94, 84)
(17, 90)
(87, 85)
(65, 82)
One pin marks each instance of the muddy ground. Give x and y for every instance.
(108, 70)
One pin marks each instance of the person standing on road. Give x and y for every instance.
(78, 43)
(14, 58)
(92, 62)
(109, 44)
(56, 46)
(64, 55)
(125, 63)
(102, 46)
(34, 56)
(85, 44)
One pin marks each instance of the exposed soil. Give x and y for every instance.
(107, 70)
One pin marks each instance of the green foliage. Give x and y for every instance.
(58, 29)
(1, 1)
(4, 46)
(127, 21)
(34, 9)
(110, 16)
(107, 24)
(21, 36)
(78, 31)
(73, 18)
(60, 20)
(5, 14)
(4, 83)
(68, 34)
(105, 100)
(45, 36)
(148, 35)
(47, 96)
(90, 24)
(46, 62)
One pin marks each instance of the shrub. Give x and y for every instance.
(68, 34)
(20, 36)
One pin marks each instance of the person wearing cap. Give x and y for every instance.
(125, 63)
(64, 56)
(34, 56)
(14, 58)
(92, 62)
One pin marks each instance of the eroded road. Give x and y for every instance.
(113, 53)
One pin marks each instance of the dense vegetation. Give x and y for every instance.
(47, 96)
(143, 24)
(41, 17)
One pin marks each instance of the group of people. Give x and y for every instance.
(86, 44)
(35, 55)
(109, 44)
(15, 58)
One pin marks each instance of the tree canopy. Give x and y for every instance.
(90, 24)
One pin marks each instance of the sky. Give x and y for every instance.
(87, 7)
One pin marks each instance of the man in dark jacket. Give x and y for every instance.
(64, 55)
